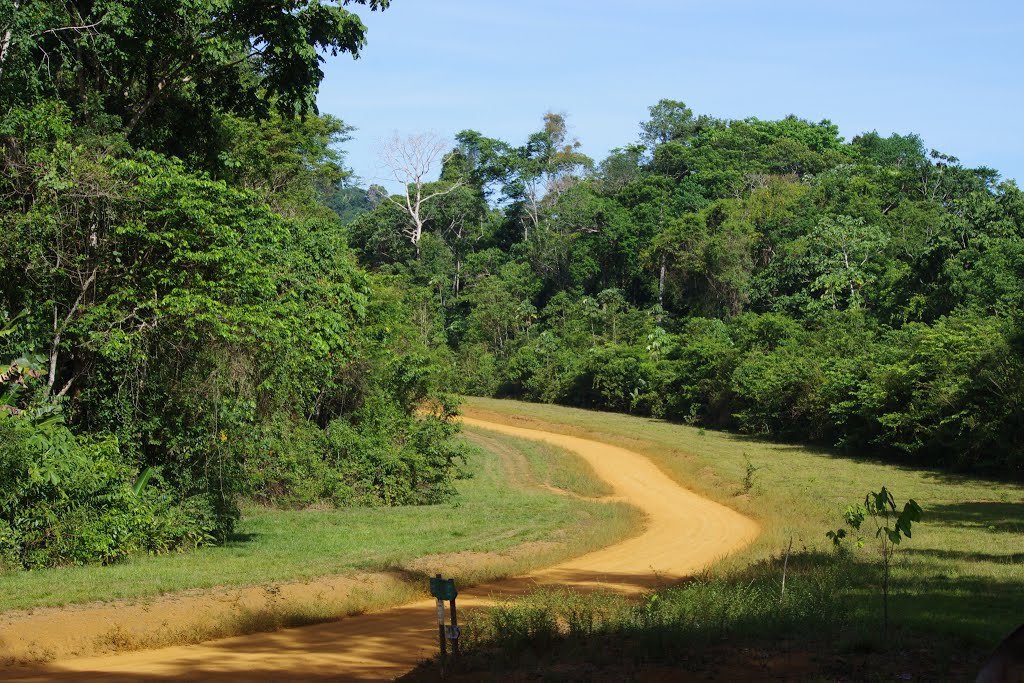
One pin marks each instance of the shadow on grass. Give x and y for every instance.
(997, 517)
(941, 473)
(979, 611)
(945, 473)
(240, 538)
(962, 556)
(831, 611)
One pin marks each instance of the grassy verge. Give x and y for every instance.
(961, 575)
(733, 628)
(494, 528)
(277, 612)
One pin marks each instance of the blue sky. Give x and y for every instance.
(952, 72)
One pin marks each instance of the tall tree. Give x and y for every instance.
(164, 69)
(411, 159)
(670, 121)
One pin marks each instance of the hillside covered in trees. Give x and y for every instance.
(199, 306)
(762, 276)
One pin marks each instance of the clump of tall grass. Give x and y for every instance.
(659, 625)
(544, 617)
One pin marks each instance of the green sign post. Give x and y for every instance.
(444, 589)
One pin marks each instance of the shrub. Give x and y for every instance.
(70, 501)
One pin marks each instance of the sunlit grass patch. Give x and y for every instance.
(962, 572)
(524, 526)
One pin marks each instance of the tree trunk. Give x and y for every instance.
(5, 44)
(661, 283)
(59, 327)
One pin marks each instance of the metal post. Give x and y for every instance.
(455, 629)
(440, 632)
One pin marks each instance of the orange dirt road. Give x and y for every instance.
(683, 534)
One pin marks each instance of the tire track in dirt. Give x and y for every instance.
(683, 533)
(514, 465)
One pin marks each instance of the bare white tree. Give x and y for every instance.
(8, 36)
(5, 42)
(411, 160)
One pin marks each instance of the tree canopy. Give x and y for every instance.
(765, 276)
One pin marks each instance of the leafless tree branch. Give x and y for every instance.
(411, 160)
(58, 328)
(5, 44)
(77, 29)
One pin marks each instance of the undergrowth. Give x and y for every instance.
(731, 626)
(706, 609)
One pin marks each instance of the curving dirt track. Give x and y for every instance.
(683, 534)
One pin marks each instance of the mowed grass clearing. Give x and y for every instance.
(961, 574)
(500, 510)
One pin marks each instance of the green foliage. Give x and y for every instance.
(890, 529)
(187, 299)
(706, 609)
(384, 459)
(749, 471)
(864, 295)
(854, 515)
(166, 73)
(69, 501)
(501, 309)
(777, 391)
(891, 526)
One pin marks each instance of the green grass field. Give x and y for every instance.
(962, 573)
(487, 516)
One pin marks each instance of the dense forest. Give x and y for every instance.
(183, 325)
(762, 276)
(199, 305)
